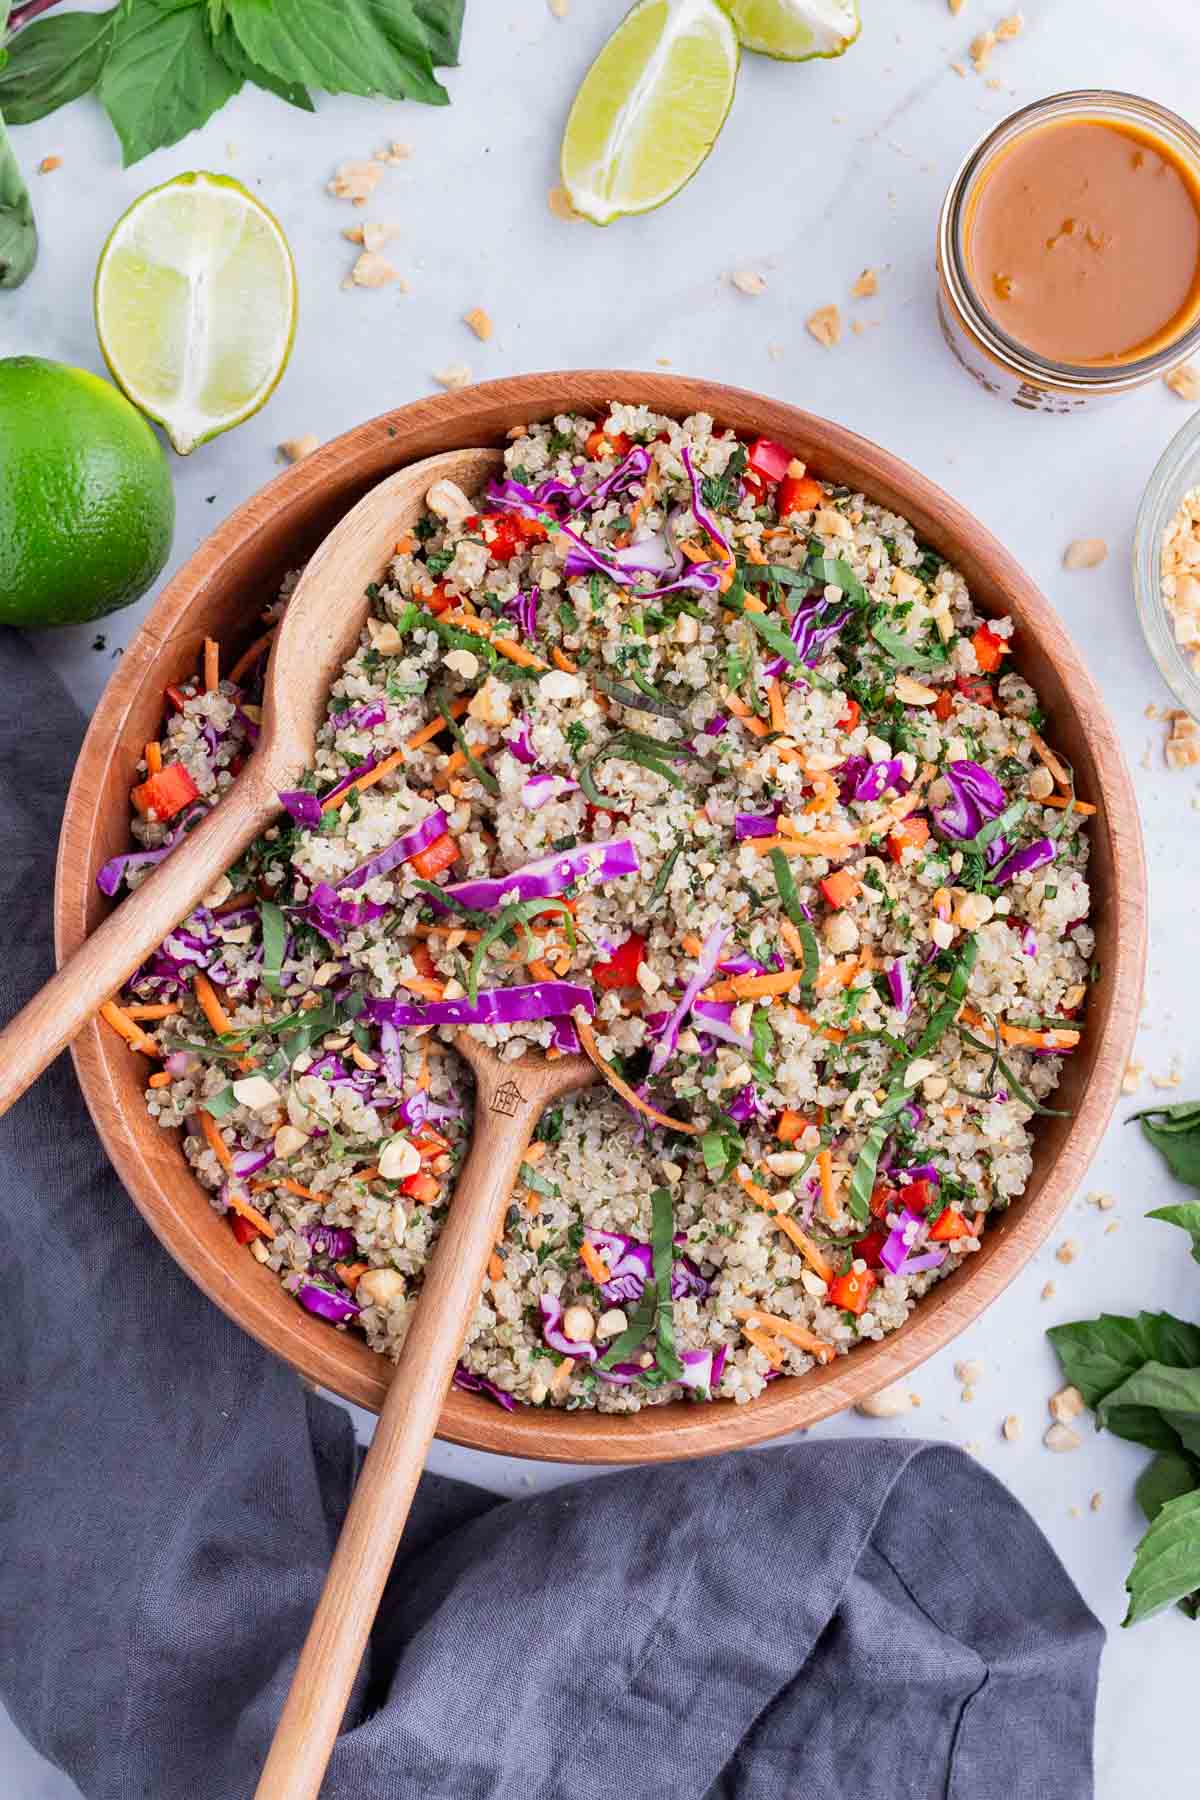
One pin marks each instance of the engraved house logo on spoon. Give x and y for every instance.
(507, 1099)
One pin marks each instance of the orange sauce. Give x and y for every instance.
(1082, 241)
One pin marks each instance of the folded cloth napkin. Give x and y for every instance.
(870, 1619)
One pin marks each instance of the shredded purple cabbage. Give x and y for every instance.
(117, 867)
(900, 986)
(552, 1332)
(470, 1383)
(493, 1006)
(549, 876)
(1032, 856)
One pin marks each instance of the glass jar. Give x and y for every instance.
(994, 359)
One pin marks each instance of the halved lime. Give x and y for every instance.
(650, 108)
(795, 30)
(196, 305)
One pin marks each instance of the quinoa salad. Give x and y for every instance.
(664, 750)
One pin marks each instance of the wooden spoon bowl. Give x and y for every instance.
(219, 593)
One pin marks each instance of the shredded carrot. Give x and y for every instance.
(787, 1328)
(211, 1007)
(350, 1274)
(563, 662)
(159, 1079)
(540, 970)
(754, 554)
(133, 1034)
(467, 622)
(790, 1125)
(216, 1142)
(829, 1032)
(163, 1011)
(691, 943)
(757, 987)
(524, 659)
(212, 665)
(405, 545)
(593, 1262)
(535, 1152)
(825, 1171)
(532, 1201)
(251, 654)
(456, 709)
(790, 936)
(1060, 800)
(154, 761)
(368, 1174)
(775, 702)
(235, 902)
(454, 762)
(811, 843)
(756, 726)
(1046, 755)
(495, 1268)
(767, 1345)
(1023, 1037)
(786, 1224)
(588, 1039)
(423, 986)
(243, 1208)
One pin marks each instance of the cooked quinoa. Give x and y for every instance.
(717, 771)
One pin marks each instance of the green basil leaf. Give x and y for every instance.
(53, 61)
(218, 1105)
(901, 651)
(1097, 1355)
(1012, 815)
(162, 79)
(361, 47)
(441, 21)
(1162, 1389)
(1175, 1134)
(1166, 1567)
(274, 942)
(1163, 1480)
(229, 48)
(791, 578)
(1187, 1217)
(834, 571)
(662, 1239)
(483, 776)
(18, 233)
(862, 1181)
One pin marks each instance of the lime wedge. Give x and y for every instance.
(650, 108)
(795, 30)
(196, 305)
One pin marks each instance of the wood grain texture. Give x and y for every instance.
(509, 1100)
(221, 590)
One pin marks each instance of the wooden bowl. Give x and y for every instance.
(219, 593)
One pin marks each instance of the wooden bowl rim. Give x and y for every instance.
(680, 1429)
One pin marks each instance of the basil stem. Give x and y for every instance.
(662, 1238)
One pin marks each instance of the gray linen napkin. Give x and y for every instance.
(870, 1619)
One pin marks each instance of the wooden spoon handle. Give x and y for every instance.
(126, 938)
(379, 1509)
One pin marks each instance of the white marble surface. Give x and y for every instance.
(820, 171)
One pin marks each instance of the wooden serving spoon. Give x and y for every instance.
(509, 1100)
(317, 635)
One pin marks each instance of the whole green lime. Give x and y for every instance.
(87, 509)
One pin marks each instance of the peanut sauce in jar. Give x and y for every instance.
(1069, 250)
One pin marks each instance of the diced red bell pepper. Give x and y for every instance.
(988, 649)
(592, 813)
(439, 601)
(883, 1200)
(799, 493)
(917, 1196)
(839, 888)
(242, 1229)
(423, 958)
(165, 793)
(508, 533)
(943, 706)
(852, 1291)
(607, 443)
(177, 697)
(908, 834)
(421, 1187)
(981, 692)
(870, 1247)
(948, 1226)
(768, 460)
(435, 857)
(620, 971)
(851, 716)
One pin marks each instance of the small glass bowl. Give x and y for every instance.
(1177, 471)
